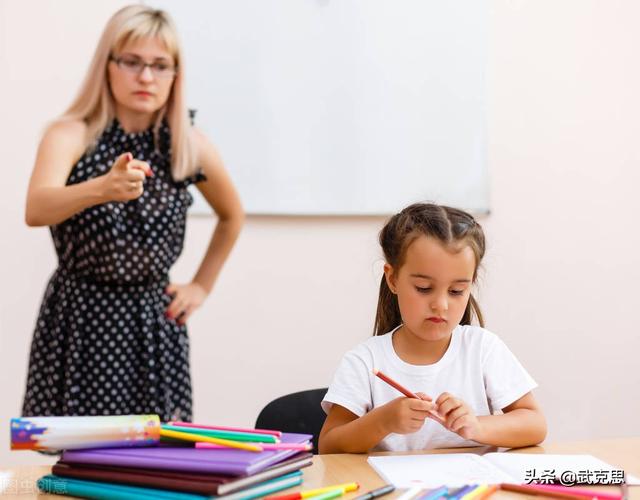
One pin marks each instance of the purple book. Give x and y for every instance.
(218, 461)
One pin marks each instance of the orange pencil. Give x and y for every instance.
(394, 384)
(403, 390)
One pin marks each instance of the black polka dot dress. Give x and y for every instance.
(102, 343)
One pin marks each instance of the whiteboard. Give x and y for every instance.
(341, 107)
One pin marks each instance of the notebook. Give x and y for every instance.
(109, 491)
(190, 482)
(231, 462)
(459, 469)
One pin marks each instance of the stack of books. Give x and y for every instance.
(189, 462)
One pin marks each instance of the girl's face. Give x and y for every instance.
(141, 76)
(433, 287)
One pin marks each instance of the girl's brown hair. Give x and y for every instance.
(450, 226)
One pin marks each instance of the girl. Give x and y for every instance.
(110, 179)
(425, 341)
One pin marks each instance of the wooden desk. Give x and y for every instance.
(334, 469)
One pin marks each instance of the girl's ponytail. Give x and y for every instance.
(473, 309)
(388, 312)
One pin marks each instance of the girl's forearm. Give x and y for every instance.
(47, 206)
(357, 436)
(519, 427)
(224, 237)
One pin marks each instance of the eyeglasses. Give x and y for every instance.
(135, 66)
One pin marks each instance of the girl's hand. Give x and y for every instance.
(432, 414)
(458, 417)
(125, 180)
(406, 415)
(186, 299)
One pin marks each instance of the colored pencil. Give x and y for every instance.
(346, 487)
(403, 390)
(328, 495)
(378, 492)
(435, 494)
(411, 492)
(184, 436)
(264, 446)
(475, 493)
(455, 491)
(233, 436)
(462, 492)
(230, 429)
(394, 384)
(488, 492)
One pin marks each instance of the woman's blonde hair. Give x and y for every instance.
(94, 103)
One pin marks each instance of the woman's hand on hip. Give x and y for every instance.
(185, 299)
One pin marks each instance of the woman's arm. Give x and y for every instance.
(221, 195)
(50, 201)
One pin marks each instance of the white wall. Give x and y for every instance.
(562, 271)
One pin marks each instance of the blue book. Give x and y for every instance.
(110, 491)
(107, 491)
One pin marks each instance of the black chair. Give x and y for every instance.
(298, 412)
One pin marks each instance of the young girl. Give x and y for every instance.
(424, 339)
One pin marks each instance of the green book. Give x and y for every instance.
(107, 491)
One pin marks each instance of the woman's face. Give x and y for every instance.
(141, 76)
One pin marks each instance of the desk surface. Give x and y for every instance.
(334, 469)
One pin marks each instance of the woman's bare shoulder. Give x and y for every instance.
(65, 135)
(207, 153)
(71, 130)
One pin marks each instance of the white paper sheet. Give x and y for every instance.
(456, 469)
(459, 469)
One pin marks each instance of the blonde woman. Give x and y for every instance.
(110, 179)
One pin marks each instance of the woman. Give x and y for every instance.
(110, 179)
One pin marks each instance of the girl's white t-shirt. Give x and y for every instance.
(477, 368)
